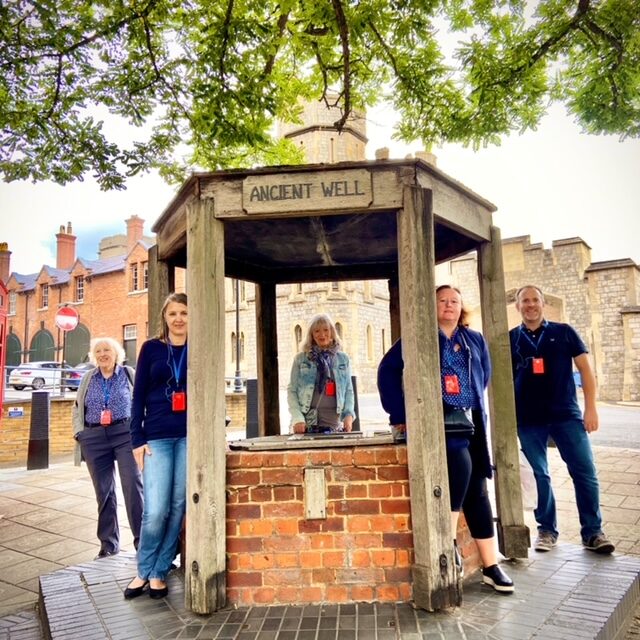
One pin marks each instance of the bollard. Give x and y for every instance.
(38, 454)
(252, 408)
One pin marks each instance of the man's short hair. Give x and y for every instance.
(529, 286)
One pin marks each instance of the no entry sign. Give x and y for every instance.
(67, 318)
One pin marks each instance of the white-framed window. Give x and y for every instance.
(44, 296)
(133, 280)
(79, 288)
(145, 275)
(13, 303)
(369, 343)
(130, 331)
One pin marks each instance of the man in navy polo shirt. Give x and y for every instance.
(542, 355)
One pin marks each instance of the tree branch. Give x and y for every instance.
(346, 62)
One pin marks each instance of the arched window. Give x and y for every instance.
(297, 336)
(369, 343)
(339, 329)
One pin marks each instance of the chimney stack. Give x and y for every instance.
(66, 249)
(135, 231)
(5, 262)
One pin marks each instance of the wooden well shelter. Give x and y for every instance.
(383, 219)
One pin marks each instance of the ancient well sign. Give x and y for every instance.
(307, 191)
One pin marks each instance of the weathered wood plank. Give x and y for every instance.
(205, 575)
(161, 284)
(453, 207)
(267, 360)
(434, 570)
(513, 535)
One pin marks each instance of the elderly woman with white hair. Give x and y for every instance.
(320, 391)
(101, 416)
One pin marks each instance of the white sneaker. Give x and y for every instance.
(545, 541)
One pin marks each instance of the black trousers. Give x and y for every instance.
(101, 448)
(469, 492)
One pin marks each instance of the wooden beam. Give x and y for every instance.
(434, 579)
(160, 286)
(513, 534)
(205, 569)
(394, 308)
(267, 360)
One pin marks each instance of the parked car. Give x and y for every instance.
(38, 375)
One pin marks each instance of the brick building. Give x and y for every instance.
(110, 294)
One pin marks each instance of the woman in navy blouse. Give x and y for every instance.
(465, 370)
(100, 416)
(159, 439)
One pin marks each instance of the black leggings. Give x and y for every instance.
(469, 491)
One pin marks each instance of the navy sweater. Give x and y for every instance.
(151, 415)
(390, 387)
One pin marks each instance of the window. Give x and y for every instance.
(339, 330)
(44, 296)
(13, 303)
(369, 343)
(79, 288)
(298, 288)
(145, 275)
(235, 346)
(297, 334)
(130, 331)
(130, 335)
(133, 281)
(335, 286)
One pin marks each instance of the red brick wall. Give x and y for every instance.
(362, 551)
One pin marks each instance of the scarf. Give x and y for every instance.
(324, 359)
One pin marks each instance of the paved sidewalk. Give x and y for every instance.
(48, 520)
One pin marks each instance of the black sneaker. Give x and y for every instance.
(599, 544)
(105, 553)
(495, 577)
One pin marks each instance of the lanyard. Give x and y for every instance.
(177, 368)
(531, 342)
(106, 388)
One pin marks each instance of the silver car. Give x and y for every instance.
(40, 374)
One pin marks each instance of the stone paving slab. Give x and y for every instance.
(568, 593)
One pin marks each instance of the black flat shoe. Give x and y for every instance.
(134, 592)
(157, 594)
(495, 577)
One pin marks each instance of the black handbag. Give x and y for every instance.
(457, 421)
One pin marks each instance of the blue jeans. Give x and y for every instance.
(164, 481)
(574, 447)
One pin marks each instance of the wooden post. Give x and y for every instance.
(434, 580)
(394, 308)
(205, 569)
(267, 360)
(160, 286)
(513, 534)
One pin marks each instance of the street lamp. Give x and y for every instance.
(237, 383)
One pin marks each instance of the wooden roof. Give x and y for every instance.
(322, 222)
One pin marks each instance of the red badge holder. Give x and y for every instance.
(105, 417)
(178, 401)
(538, 365)
(451, 384)
(330, 388)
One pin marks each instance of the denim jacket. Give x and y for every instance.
(303, 380)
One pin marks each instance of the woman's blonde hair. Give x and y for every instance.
(320, 320)
(114, 344)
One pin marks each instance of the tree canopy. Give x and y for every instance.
(212, 76)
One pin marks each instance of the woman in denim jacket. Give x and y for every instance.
(320, 391)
